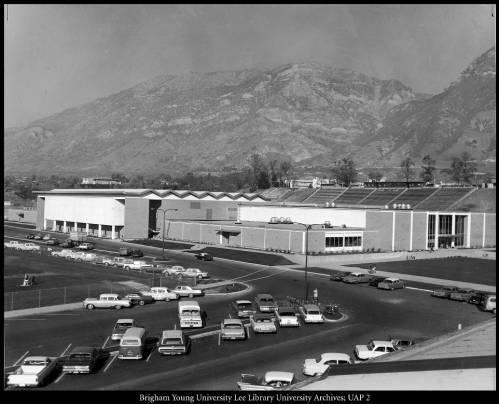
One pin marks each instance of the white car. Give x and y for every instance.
(161, 293)
(173, 270)
(286, 317)
(139, 265)
(28, 247)
(232, 328)
(373, 349)
(84, 256)
(187, 291)
(311, 314)
(262, 323)
(12, 244)
(62, 253)
(85, 246)
(192, 273)
(33, 371)
(271, 381)
(311, 367)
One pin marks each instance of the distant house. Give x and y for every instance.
(99, 182)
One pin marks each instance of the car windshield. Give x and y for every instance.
(232, 326)
(263, 320)
(35, 362)
(123, 326)
(80, 356)
(266, 300)
(313, 312)
(191, 312)
(287, 313)
(370, 345)
(129, 341)
(171, 341)
(243, 306)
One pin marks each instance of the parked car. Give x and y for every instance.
(401, 342)
(444, 292)
(139, 298)
(174, 342)
(376, 280)
(119, 262)
(357, 277)
(173, 270)
(121, 326)
(477, 297)
(133, 343)
(373, 349)
(243, 308)
(106, 301)
(46, 237)
(286, 317)
(83, 256)
(30, 236)
(232, 328)
(38, 237)
(33, 372)
(271, 381)
(192, 273)
(68, 243)
(462, 295)
(187, 291)
(52, 241)
(391, 284)
(161, 293)
(265, 303)
(262, 323)
(488, 303)
(62, 253)
(137, 265)
(82, 360)
(312, 367)
(12, 244)
(85, 246)
(204, 256)
(338, 276)
(29, 247)
(189, 314)
(311, 314)
(130, 252)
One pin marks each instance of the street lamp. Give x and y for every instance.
(307, 227)
(164, 219)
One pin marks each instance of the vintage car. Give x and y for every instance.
(12, 244)
(488, 303)
(271, 381)
(139, 298)
(46, 237)
(82, 360)
(68, 243)
(174, 342)
(311, 367)
(373, 349)
(187, 291)
(391, 284)
(106, 301)
(33, 371)
(85, 246)
(262, 323)
(232, 328)
(311, 313)
(204, 256)
(357, 277)
(65, 252)
(338, 276)
(83, 256)
(38, 237)
(376, 280)
(30, 236)
(130, 252)
(462, 295)
(401, 342)
(173, 270)
(286, 317)
(190, 315)
(137, 265)
(265, 303)
(477, 297)
(192, 273)
(52, 241)
(243, 308)
(444, 292)
(121, 326)
(161, 293)
(28, 247)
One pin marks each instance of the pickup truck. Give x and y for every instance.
(81, 360)
(34, 371)
(106, 301)
(192, 273)
(187, 291)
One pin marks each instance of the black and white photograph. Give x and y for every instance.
(249, 202)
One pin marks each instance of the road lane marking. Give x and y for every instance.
(60, 377)
(150, 354)
(219, 338)
(105, 342)
(65, 351)
(114, 355)
(424, 290)
(20, 359)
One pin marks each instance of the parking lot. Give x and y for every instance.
(372, 313)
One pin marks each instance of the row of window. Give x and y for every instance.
(332, 242)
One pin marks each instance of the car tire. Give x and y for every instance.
(117, 307)
(90, 306)
(141, 302)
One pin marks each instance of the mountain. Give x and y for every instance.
(207, 121)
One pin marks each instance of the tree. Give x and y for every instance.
(284, 171)
(406, 166)
(119, 177)
(375, 174)
(344, 171)
(462, 169)
(428, 169)
(260, 173)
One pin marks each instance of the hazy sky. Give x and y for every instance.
(60, 56)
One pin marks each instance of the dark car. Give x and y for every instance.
(477, 297)
(462, 295)
(204, 256)
(338, 276)
(376, 280)
(68, 244)
(30, 236)
(131, 252)
(52, 241)
(139, 298)
(357, 277)
(401, 342)
(444, 292)
(82, 360)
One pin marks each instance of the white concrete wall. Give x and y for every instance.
(85, 209)
(307, 215)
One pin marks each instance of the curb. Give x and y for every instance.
(343, 317)
(42, 310)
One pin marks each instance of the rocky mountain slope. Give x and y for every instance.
(207, 121)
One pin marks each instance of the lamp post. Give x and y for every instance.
(164, 219)
(307, 227)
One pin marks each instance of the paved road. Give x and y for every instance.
(372, 313)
